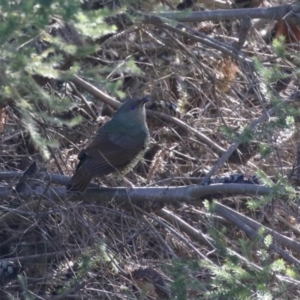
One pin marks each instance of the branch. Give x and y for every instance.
(286, 12)
(169, 194)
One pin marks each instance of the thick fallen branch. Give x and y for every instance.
(191, 194)
(287, 12)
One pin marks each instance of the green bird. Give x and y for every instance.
(117, 146)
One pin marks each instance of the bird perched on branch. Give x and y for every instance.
(117, 146)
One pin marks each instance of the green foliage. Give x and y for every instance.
(268, 240)
(278, 266)
(89, 261)
(219, 239)
(25, 292)
(279, 46)
(292, 273)
(209, 205)
(20, 61)
(281, 189)
(264, 150)
(182, 283)
(235, 279)
(92, 23)
(270, 75)
(183, 105)
(246, 135)
(22, 24)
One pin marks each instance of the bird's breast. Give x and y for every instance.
(139, 156)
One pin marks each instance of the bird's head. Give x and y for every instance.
(133, 109)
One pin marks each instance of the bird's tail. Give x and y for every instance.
(79, 181)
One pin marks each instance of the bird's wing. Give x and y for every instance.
(109, 152)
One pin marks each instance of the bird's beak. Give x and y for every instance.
(144, 100)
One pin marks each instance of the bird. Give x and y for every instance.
(117, 146)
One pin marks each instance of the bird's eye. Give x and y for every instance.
(133, 107)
